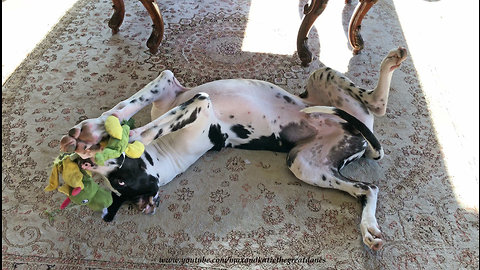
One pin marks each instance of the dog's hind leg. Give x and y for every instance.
(329, 87)
(312, 163)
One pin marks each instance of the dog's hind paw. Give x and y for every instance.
(372, 236)
(373, 243)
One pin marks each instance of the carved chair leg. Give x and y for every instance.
(311, 12)
(354, 27)
(157, 32)
(118, 15)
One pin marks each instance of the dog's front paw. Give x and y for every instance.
(84, 137)
(371, 234)
(106, 216)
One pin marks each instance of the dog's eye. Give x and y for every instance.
(85, 201)
(121, 183)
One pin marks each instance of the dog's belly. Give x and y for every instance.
(255, 114)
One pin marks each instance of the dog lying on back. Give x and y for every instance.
(322, 130)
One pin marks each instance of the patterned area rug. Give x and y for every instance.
(233, 208)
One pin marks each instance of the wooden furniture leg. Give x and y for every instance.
(354, 27)
(118, 15)
(311, 12)
(157, 32)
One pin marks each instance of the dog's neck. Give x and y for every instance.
(168, 157)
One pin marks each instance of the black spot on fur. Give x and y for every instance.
(133, 101)
(231, 116)
(270, 143)
(190, 101)
(154, 91)
(288, 99)
(141, 98)
(158, 134)
(148, 157)
(361, 185)
(241, 131)
(324, 178)
(189, 120)
(363, 200)
(217, 137)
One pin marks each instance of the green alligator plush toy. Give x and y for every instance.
(79, 185)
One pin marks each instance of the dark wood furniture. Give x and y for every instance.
(152, 7)
(314, 10)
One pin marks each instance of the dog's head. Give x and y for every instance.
(126, 175)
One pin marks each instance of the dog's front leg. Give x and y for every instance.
(85, 136)
(110, 212)
(194, 110)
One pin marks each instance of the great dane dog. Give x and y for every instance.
(323, 129)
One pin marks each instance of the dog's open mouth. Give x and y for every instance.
(86, 163)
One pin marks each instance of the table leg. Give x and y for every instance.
(354, 27)
(157, 32)
(118, 15)
(311, 12)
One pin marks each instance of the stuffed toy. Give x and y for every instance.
(78, 184)
(118, 142)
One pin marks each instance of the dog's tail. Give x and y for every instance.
(374, 145)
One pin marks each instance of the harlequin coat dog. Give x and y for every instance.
(322, 130)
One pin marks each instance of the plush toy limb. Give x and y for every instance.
(71, 173)
(135, 149)
(53, 180)
(65, 203)
(113, 127)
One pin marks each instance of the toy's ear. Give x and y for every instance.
(113, 127)
(135, 149)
